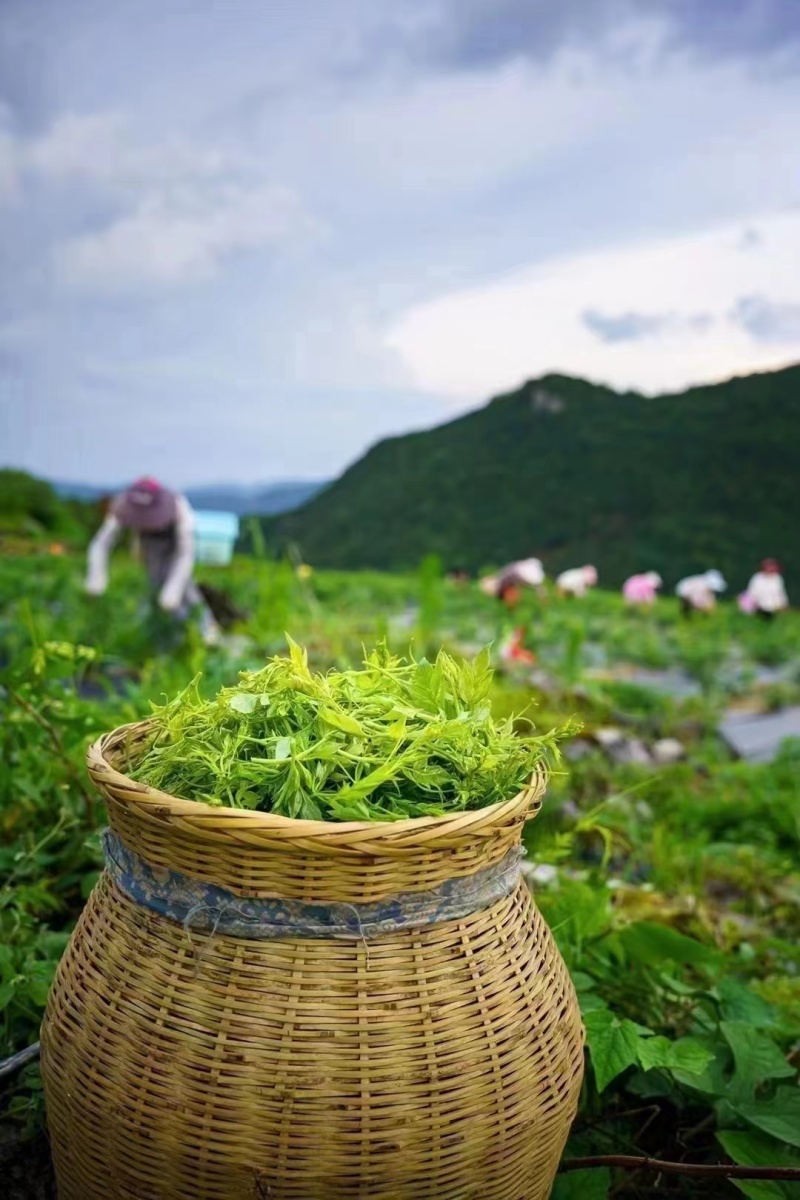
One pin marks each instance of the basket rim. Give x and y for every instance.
(136, 795)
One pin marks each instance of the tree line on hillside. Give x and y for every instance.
(562, 469)
(32, 511)
(574, 472)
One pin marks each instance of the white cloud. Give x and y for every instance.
(178, 236)
(105, 153)
(663, 142)
(446, 135)
(89, 144)
(430, 182)
(482, 340)
(165, 210)
(104, 149)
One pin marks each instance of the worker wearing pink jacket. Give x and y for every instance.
(642, 589)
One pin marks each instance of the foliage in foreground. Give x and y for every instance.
(674, 893)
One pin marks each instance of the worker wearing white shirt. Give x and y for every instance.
(767, 591)
(698, 593)
(526, 572)
(164, 524)
(576, 581)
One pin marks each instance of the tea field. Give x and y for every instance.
(668, 870)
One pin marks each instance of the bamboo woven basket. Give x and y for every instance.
(442, 1061)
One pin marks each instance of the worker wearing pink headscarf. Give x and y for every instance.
(163, 523)
(642, 589)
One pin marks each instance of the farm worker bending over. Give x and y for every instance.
(698, 593)
(576, 581)
(164, 524)
(527, 572)
(766, 592)
(641, 589)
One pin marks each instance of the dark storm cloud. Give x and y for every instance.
(767, 320)
(479, 33)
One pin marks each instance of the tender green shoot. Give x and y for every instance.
(395, 739)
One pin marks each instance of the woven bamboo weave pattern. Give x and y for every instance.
(262, 854)
(441, 1063)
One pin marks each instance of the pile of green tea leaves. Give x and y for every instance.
(395, 739)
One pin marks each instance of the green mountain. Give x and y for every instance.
(573, 472)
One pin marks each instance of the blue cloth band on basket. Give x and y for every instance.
(209, 909)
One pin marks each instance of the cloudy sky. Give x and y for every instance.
(241, 241)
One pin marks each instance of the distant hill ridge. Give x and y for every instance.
(265, 499)
(575, 472)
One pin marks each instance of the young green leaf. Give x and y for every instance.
(613, 1044)
(778, 1116)
(755, 1055)
(687, 1055)
(395, 739)
(751, 1149)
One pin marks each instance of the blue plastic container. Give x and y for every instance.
(215, 535)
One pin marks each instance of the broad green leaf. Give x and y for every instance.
(739, 1003)
(52, 942)
(713, 1078)
(243, 702)
(678, 986)
(751, 1149)
(7, 993)
(755, 1055)
(37, 985)
(575, 911)
(655, 1052)
(88, 881)
(648, 942)
(613, 1044)
(687, 1055)
(779, 1116)
(763, 1189)
(650, 1084)
(690, 1056)
(591, 1184)
(590, 1002)
(588, 997)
